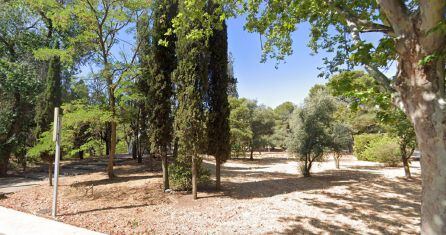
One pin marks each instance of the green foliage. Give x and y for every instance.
(311, 127)
(180, 175)
(384, 150)
(240, 125)
(342, 138)
(162, 63)
(282, 114)
(218, 130)
(79, 120)
(262, 125)
(361, 142)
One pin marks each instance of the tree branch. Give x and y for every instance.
(397, 14)
(432, 13)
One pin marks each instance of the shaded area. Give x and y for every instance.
(386, 206)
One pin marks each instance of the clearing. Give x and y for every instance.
(266, 195)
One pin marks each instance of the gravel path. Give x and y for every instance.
(264, 196)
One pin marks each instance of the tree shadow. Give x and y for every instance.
(282, 183)
(119, 179)
(386, 206)
(105, 209)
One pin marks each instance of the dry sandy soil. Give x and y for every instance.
(264, 196)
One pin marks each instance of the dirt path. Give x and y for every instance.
(262, 196)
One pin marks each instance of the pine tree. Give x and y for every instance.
(190, 80)
(163, 63)
(218, 116)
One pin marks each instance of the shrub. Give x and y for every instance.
(361, 142)
(180, 176)
(384, 150)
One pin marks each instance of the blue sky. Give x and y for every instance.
(291, 81)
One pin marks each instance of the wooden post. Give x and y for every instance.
(56, 138)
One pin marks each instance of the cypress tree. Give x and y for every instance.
(190, 80)
(51, 98)
(163, 63)
(143, 86)
(218, 116)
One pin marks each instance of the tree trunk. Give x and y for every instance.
(107, 139)
(4, 161)
(112, 151)
(422, 92)
(406, 167)
(50, 172)
(81, 154)
(251, 157)
(165, 167)
(194, 177)
(217, 173)
(134, 149)
(337, 160)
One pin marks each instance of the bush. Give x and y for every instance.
(384, 150)
(180, 176)
(361, 142)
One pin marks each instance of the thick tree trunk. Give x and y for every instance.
(422, 92)
(194, 177)
(165, 167)
(217, 173)
(251, 157)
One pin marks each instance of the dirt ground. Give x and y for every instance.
(264, 196)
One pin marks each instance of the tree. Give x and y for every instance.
(190, 79)
(310, 129)
(412, 34)
(262, 126)
(240, 125)
(282, 123)
(160, 90)
(363, 94)
(102, 22)
(218, 114)
(342, 139)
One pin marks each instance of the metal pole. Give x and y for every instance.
(56, 138)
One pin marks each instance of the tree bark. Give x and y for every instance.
(4, 164)
(337, 160)
(422, 93)
(194, 177)
(251, 157)
(112, 151)
(134, 149)
(217, 173)
(165, 167)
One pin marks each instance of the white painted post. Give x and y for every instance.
(56, 138)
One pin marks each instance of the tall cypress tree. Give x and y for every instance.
(163, 63)
(190, 80)
(142, 86)
(218, 116)
(51, 97)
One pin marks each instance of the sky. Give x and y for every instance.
(264, 82)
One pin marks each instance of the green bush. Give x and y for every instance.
(361, 142)
(385, 150)
(180, 176)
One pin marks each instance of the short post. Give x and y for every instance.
(56, 138)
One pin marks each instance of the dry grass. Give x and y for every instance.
(262, 196)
